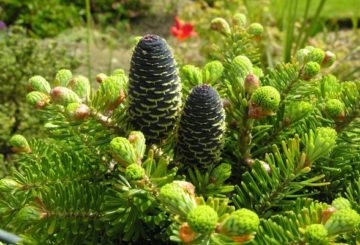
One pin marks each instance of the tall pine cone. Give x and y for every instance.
(201, 130)
(154, 89)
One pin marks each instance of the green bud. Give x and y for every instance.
(77, 111)
(202, 219)
(112, 92)
(243, 65)
(316, 55)
(137, 139)
(38, 83)
(329, 59)
(81, 86)
(316, 234)
(134, 172)
(258, 71)
(341, 203)
(310, 70)
(298, 110)
(29, 213)
(334, 108)
(118, 72)
(37, 99)
(241, 222)
(177, 197)
(264, 101)
(122, 151)
(301, 55)
(220, 25)
(320, 144)
(239, 20)
(251, 83)
(192, 74)
(212, 71)
(330, 86)
(8, 185)
(63, 96)
(342, 220)
(101, 77)
(62, 77)
(19, 144)
(255, 29)
(221, 173)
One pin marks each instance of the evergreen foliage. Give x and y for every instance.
(286, 162)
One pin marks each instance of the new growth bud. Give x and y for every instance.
(123, 151)
(255, 29)
(212, 71)
(202, 219)
(77, 111)
(316, 55)
(241, 222)
(137, 139)
(329, 59)
(37, 99)
(81, 86)
(101, 77)
(310, 70)
(335, 109)
(19, 144)
(220, 25)
(251, 83)
(175, 196)
(342, 220)
(64, 96)
(264, 102)
(62, 77)
(38, 83)
(341, 203)
(134, 172)
(239, 20)
(316, 234)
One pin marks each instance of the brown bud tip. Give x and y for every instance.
(326, 214)
(186, 234)
(56, 92)
(251, 83)
(101, 77)
(249, 162)
(82, 112)
(226, 103)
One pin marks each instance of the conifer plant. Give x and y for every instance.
(229, 154)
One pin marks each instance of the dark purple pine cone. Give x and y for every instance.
(154, 90)
(201, 130)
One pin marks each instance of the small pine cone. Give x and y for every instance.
(154, 89)
(201, 130)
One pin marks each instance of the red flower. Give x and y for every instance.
(182, 30)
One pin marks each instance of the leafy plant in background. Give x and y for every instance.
(229, 154)
(41, 20)
(20, 57)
